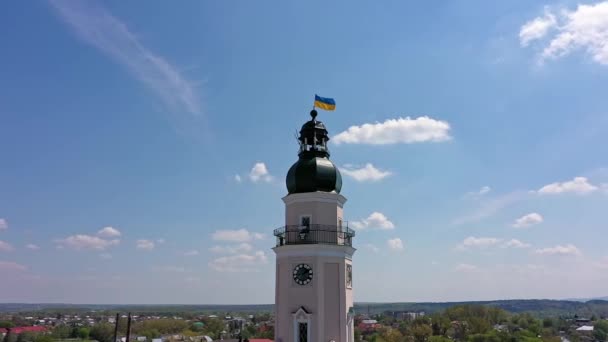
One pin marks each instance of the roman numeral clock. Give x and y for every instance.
(314, 285)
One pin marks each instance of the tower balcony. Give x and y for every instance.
(314, 234)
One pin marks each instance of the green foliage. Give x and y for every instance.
(6, 324)
(83, 333)
(213, 328)
(164, 326)
(103, 332)
(61, 332)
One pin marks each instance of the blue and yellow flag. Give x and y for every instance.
(325, 103)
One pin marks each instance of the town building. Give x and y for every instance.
(314, 288)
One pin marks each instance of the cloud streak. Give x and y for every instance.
(96, 26)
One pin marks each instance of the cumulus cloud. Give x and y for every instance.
(465, 268)
(537, 28)
(375, 220)
(86, 242)
(96, 26)
(579, 186)
(239, 235)
(514, 243)
(259, 173)
(108, 232)
(232, 249)
(3, 224)
(5, 247)
(145, 245)
(395, 244)
(584, 28)
(32, 246)
(567, 250)
(396, 131)
(367, 173)
(528, 220)
(239, 262)
(237, 178)
(475, 242)
(11, 266)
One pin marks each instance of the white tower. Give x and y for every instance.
(314, 294)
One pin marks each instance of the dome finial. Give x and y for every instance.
(313, 113)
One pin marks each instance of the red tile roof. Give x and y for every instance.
(19, 330)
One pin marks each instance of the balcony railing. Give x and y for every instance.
(314, 234)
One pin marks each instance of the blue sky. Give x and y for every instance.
(144, 148)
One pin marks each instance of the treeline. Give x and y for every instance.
(537, 307)
(477, 323)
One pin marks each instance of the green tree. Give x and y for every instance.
(83, 333)
(421, 332)
(61, 332)
(6, 324)
(102, 332)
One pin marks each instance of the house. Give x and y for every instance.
(368, 325)
(585, 328)
(19, 330)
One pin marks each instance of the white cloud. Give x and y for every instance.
(144, 244)
(160, 241)
(192, 252)
(395, 244)
(3, 224)
(465, 268)
(375, 220)
(475, 242)
(86, 242)
(105, 256)
(585, 28)
(603, 263)
(259, 173)
(5, 247)
(476, 194)
(568, 249)
(528, 220)
(579, 185)
(233, 249)
(365, 173)
(240, 235)
(490, 206)
(32, 246)
(108, 232)
(11, 266)
(96, 26)
(239, 262)
(371, 247)
(237, 178)
(395, 131)
(514, 243)
(536, 28)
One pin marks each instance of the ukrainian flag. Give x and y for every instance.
(325, 103)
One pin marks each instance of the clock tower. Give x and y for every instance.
(314, 288)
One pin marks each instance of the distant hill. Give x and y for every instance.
(538, 307)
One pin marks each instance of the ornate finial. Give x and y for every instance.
(313, 113)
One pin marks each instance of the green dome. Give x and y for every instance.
(313, 173)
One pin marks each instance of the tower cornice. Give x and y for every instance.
(318, 196)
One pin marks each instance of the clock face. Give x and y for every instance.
(349, 276)
(302, 274)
